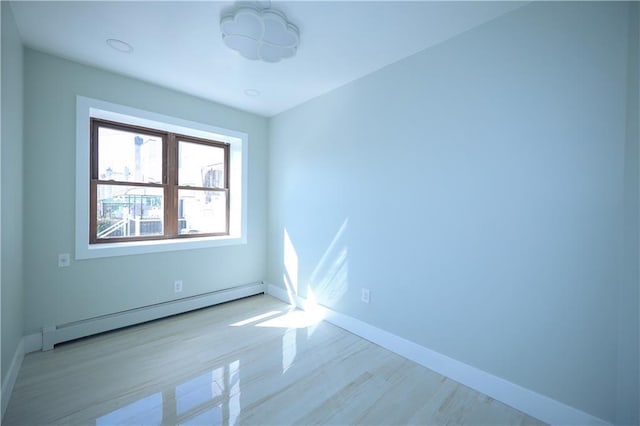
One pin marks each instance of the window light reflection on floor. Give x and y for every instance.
(204, 399)
(289, 348)
(199, 390)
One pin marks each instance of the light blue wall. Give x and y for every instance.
(89, 288)
(628, 316)
(12, 284)
(477, 188)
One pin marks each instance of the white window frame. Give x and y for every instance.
(86, 108)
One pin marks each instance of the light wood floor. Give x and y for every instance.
(253, 361)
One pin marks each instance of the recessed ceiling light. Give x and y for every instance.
(252, 92)
(119, 45)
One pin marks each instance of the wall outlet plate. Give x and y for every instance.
(366, 295)
(64, 260)
(177, 286)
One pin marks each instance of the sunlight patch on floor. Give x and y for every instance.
(294, 319)
(255, 318)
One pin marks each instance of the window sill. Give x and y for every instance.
(93, 251)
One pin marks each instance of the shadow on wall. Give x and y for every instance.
(329, 280)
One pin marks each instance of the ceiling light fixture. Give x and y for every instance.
(263, 34)
(119, 45)
(252, 92)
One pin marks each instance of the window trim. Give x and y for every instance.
(87, 108)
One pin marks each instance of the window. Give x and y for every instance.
(147, 182)
(149, 185)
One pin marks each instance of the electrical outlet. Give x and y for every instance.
(366, 295)
(64, 260)
(177, 286)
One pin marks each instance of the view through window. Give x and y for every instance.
(148, 184)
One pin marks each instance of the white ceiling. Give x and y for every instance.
(178, 44)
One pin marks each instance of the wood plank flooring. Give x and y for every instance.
(254, 361)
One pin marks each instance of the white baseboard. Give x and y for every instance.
(32, 343)
(12, 374)
(54, 334)
(532, 403)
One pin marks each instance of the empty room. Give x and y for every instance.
(320, 212)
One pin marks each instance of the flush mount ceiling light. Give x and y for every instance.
(119, 45)
(263, 34)
(252, 92)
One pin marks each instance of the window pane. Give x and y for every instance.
(129, 211)
(129, 156)
(202, 212)
(200, 165)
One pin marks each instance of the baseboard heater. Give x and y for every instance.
(53, 335)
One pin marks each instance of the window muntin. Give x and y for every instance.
(136, 185)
